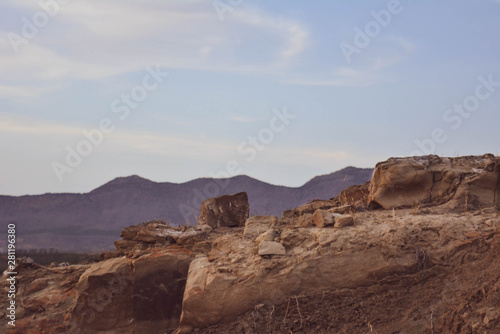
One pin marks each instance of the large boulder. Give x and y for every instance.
(465, 182)
(122, 295)
(225, 211)
(104, 297)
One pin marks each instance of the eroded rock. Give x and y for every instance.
(465, 182)
(271, 248)
(323, 218)
(225, 211)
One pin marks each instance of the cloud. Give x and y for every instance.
(54, 136)
(93, 40)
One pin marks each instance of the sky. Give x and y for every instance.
(278, 90)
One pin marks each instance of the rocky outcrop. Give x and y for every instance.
(464, 182)
(225, 211)
(235, 268)
(143, 295)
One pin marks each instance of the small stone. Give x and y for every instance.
(271, 248)
(269, 235)
(341, 209)
(323, 218)
(206, 229)
(343, 221)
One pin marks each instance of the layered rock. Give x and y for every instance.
(231, 265)
(142, 295)
(225, 211)
(464, 182)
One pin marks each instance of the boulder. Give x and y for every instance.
(104, 297)
(322, 218)
(344, 220)
(138, 296)
(306, 220)
(225, 211)
(271, 248)
(465, 182)
(256, 225)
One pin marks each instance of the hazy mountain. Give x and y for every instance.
(91, 221)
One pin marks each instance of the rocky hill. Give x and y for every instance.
(417, 250)
(92, 221)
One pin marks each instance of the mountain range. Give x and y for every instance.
(91, 221)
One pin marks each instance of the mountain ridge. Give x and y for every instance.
(42, 219)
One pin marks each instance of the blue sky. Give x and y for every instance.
(232, 66)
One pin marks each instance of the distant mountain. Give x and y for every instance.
(91, 221)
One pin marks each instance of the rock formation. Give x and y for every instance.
(416, 250)
(225, 211)
(470, 182)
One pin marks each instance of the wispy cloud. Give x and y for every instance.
(92, 40)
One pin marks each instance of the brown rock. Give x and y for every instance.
(343, 221)
(354, 195)
(322, 218)
(306, 220)
(473, 234)
(271, 248)
(104, 296)
(341, 209)
(269, 235)
(256, 225)
(225, 211)
(463, 182)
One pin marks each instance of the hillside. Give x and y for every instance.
(92, 221)
(425, 259)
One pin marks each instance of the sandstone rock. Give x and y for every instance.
(344, 220)
(269, 235)
(306, 220)
(256, 225)
(104, 297)
(458, 182)
(341, 209)
(225, 211)
(134, 295)
(156, 233)
(271, 248)
(205, 229)
(212, 298)
(309, 208)
(322, 218)
(355, 195)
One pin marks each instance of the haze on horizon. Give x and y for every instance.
(280, 90)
